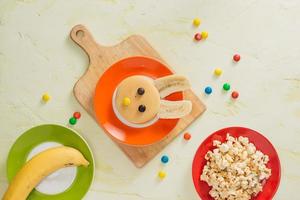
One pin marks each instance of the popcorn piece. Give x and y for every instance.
(224, 148)
(251, 149)
(216, 143)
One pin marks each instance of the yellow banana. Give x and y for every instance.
(170, 84)
(174, 109)
(41, 166)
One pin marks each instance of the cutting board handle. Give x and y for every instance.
(81, 35)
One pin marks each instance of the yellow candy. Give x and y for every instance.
(162, 174)
(126, 101)
(218, 71)
(196, 22)
(204, 34)
(46, 97)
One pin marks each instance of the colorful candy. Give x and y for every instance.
(196, 22)
(226, 86)
(218, 71)
(72, 120)
(204, 34)
(126, 101)
(187, 136)
(234, 94)
(76, 115)
(46, 97)
(208, 90)
(164, 159)
(236, 57)
(162, 174)
(197, 36)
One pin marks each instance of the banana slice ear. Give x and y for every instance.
(170, 84)
(174, 109)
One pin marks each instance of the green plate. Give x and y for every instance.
(52, 133)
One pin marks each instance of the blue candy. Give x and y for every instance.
(208, 90)
(164, 159)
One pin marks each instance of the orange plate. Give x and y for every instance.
(103, 101)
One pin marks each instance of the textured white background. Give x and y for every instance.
(37, 56)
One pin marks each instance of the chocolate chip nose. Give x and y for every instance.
(140, 91)
(142, 108)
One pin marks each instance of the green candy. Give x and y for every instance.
(72, 120)
(226, 86)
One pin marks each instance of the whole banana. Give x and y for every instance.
(41, 166)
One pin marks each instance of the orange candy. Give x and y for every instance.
(187, 136)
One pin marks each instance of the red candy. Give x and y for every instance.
(197, 36)
(236, 57)
(234, 94)
(76, 115)
(187, 136)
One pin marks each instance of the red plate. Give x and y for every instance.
(261, 143)
(103, 101)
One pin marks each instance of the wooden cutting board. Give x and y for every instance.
(101, 58)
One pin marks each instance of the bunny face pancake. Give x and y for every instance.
(138, 100)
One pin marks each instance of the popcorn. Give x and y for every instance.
(235, 169)
(224, 148)
(216, 143)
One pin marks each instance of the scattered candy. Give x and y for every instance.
(208, 90)
(196, 22)
(46, 97)
(234, 94)
(142, 108)
(236, 57)
(162, 174)
(226, 86)
(126, 101)
(76, 115)
(218, 71)
(204, 34)
(197, 36)
(141, 91)
(187, 136)
(72, 120)
(164, 159)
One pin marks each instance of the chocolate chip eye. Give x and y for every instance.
(140, 91)
(142, 108)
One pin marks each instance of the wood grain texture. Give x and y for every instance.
(101, 58)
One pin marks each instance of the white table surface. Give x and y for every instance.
(37, 56)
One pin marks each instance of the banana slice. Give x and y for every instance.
(174, 109)
(41, 166)
(170, 84)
